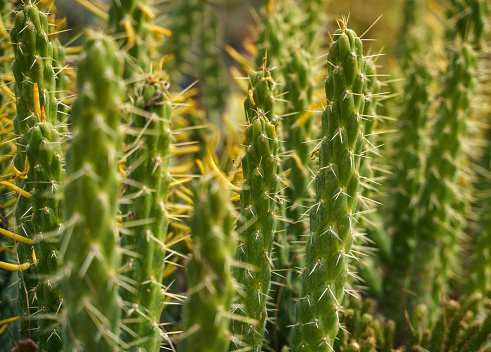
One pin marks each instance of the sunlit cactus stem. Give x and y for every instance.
(256, 230)
(39, 160)
(210, 290)
(90, 239)
(147, 192)
(331, 217)
(441, 190)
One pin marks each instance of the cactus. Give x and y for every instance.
(441, 182)
(213, 81)
(458, 327)
(147, 193)
(331, 217)
(313, 25)
(206, 311)
(186, 16)
(34, 88)
(45, 155)
(131, 17)
(366, 331)
(256, 222)
(408, 181)
(479, 278)
(271, 39)
(90, 253)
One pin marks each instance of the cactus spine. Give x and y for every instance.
(331, 217)
(91, 255)
(147, 194)
(206, 311)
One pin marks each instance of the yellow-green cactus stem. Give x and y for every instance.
(210, 291)
(261, 96)
(408, 180)
(332, 218)
(185, 17)
(147, 194)
(297, 129)
(131, 18)
(45, 159)
(35, 85)
(90, 238)
(213, 81)
(271, 41)
(313, 24)
(256, 232)
(441, 188)
(470, 21)
(479, 278)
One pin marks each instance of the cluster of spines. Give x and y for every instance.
(331, 218)
(90, 239)
(209, 274)
(256, 224)
(146, 195)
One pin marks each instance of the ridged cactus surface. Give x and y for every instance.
(147, 193)
(38, 154)
(210, 288)
(331, 217)
(90, 240)
(440, 191)
(256, 230)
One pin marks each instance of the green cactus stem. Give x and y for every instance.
(206, 311)
(90, 238)
(408, 181)
(441, 188)
(45, 157)
(256, 231)
(331, 218)
(212, 71)
(35, 84)
(131, 18)
(147, 193)
(314, 22)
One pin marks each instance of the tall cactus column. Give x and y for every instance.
(256, 222)
(206, 312)
(428, 279)
(35, 86)
(331, 218)
(91, 255)
(148, 170)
